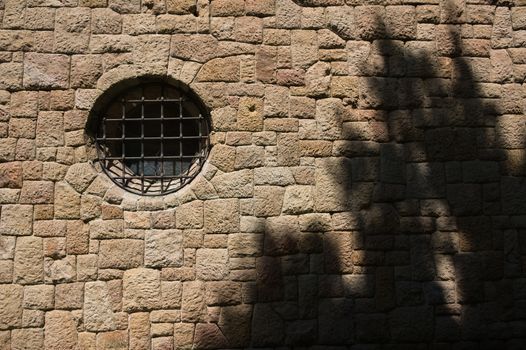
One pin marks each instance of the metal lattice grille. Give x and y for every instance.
(153, 139)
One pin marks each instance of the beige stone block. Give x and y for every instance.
(193, 307)
(11, 75)
(223, 157)
(141, 289)
(212, 264)
(7, 247)
(55, 247)
(171, 294)
(16, 220)
(98, 314)
(60, 330)
(221, 215)
(72, 30)
(49, 228)
(260, 7)
(67, 202)
(220, 69)
(60, 270)
(250, 114)
(288, 149)
(69, 296)
(103, 229)
(27, 339)
(50, 129)
(29, 260)
(22, 128)
(11, 175)
(281, 235)
(139, 330)
(40, 297)
(77, 237)
(87, 341)
(33, 318)
(117, 340)
(10, 306)
(37, 192)
(268, 200)
(298, 199)
(190, 215)
(80, 176)
(249, 157)
(111, 254)
(163, 248)
(235, 184)
(48, 71)
(86, 267)
(181, 7)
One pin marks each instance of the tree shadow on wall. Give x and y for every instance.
(431, 247)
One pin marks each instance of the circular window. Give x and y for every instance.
(152, 138)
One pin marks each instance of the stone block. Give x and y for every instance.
(268, 200)
(189, 215)
(10, 306)
(29, 260)
(60, 331)
(221, 215)
(69, 296)
(163, 248)
(117, 340)
(39, 297)
(27, 339)
(50, 129)
(11, 75)
(46, 71)
(98, 314)
(298, 199)
(193, 307)
(236, 184)
(16, 220)
(111, 254)
(212, 264)
(220, 69)
(37, 192)
(80, 176)
(141, 289)
(139, 328)
(67, 201)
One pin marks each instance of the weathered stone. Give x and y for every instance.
(67, 202)
(80, 176)
(234, 184)
(111, 254)
(7, 247)
(193, 306)
(60, 330)
(268, 200)
(141, 289)
(29, 260)
(10, 306)
(48, 71)
(16, 220)
(267, 326)
(208, 336)
(220, 69)
(163, 248)
(220, 215)
(11, 175)
(69, 296)
(60, 270)
(37, 192)
(139, 328)
(27, 339)
(190, 215)
(39, 297)
(50, 129)
(117, 340)
(281, 235)
(98, 314)
(212, 264)
(298, 199)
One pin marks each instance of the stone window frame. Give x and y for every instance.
(114, 91)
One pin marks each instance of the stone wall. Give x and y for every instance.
(365, 186)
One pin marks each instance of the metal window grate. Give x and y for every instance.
(153, 139)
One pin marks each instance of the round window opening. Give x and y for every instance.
(152, 138)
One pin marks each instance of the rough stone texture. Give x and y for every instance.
(98, 314)
(141, 289)
(11, 306)
(365, 185)
(60, 330)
